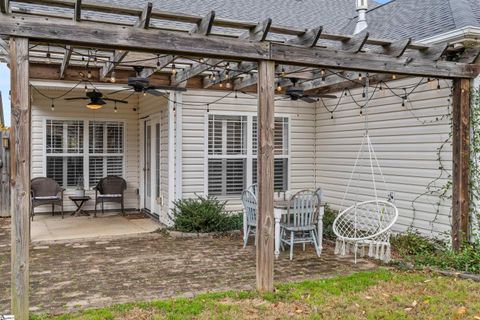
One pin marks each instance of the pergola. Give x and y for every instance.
(49, 39)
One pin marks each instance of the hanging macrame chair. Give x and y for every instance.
(366, 225)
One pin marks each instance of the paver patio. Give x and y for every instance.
(75, 275)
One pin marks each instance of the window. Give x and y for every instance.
(70, 164)
(231, 155)
(64, 148)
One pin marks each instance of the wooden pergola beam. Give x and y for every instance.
(461, 162)
(257, 34)
(100, 35)
(20, 176)
(203, 27)
(66, 60)
(143, 22)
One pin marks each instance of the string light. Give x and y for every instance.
(228, 85)
(158, 61)
(363, 93)
(360, 78)
(86, 88)
(283, 72)
(213, 76)
(115, 107)
(279, 88)
(52, 106)
(174, 70)
(208, 108)
(112, 77)
(202, 60)
(228, 66)
(236, 96)
(394, 76)
(89, 74)
(438, 84)
(221, 85)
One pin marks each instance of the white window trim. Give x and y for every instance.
(249, 155)
(86, 143)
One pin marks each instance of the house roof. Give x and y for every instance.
(419, 19)
(333, 15)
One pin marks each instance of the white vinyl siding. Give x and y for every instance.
(406, 150)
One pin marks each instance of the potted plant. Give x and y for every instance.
(79, 190)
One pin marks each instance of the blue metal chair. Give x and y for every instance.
(299, 224)
(253, 189)
(250, 206)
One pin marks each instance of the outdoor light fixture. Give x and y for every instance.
(6, 143)
(95, 105)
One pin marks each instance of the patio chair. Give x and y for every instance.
(250, 206)
(110, 189)
(299, 224)
(253, 189)
(45, 191)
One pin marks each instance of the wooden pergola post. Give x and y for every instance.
(265, 218)
(461, 162)
(20, 175)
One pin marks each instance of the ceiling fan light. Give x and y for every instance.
(94, 106)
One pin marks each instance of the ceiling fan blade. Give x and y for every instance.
(170, 88)
(321, 95)
(78, 98)
(115, 100)
(122, 90)
(156, 93)
(308, 99)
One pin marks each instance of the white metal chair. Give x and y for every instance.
(250, 206)
(299, 225)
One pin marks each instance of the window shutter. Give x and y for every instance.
(55, 169)
(236, 135)
(215, 177)
(54, 139)
(214, 136)
(280, 173)
(95, 165)
(74, 171)
(95, 137)
(114, 137)
(114, 166)
(235, 176)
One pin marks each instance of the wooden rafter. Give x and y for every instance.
(4, 51)
(356, 43)
(256, 34)
(66, 60)
(202, 27)
(5, 6)
(77, 12)
(119, 55)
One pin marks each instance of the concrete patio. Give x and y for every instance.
(84, 274)
(46, 227)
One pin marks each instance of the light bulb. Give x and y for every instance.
(221, 85)
(279, 88)
(115, 109)
(394, 76)
(89, 74)
(52, 107)
(360, 77)
(202, 60)
(228, 85)
(283, 72)
(112, 77)
(174, 70)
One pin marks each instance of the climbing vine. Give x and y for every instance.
(475, 163)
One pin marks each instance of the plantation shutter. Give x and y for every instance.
(227, 148)
(280, 174)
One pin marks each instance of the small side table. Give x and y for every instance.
(80, 202)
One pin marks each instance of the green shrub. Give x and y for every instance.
(328, 218)
(423, 252)
(204, 214)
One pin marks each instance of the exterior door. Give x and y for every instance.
(147, 166)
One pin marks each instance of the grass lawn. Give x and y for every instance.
(381, 294)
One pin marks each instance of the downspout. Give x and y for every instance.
(171, 151)
(179, 147)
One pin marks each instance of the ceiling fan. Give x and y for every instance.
(298, 93)
(97, 100)
(142, 85)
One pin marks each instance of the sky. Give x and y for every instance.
(5, 88)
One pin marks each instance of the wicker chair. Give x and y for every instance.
(45, 191)
(110, 189)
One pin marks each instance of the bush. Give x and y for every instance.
(203, 215)
(423, 252)
(328, 218)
